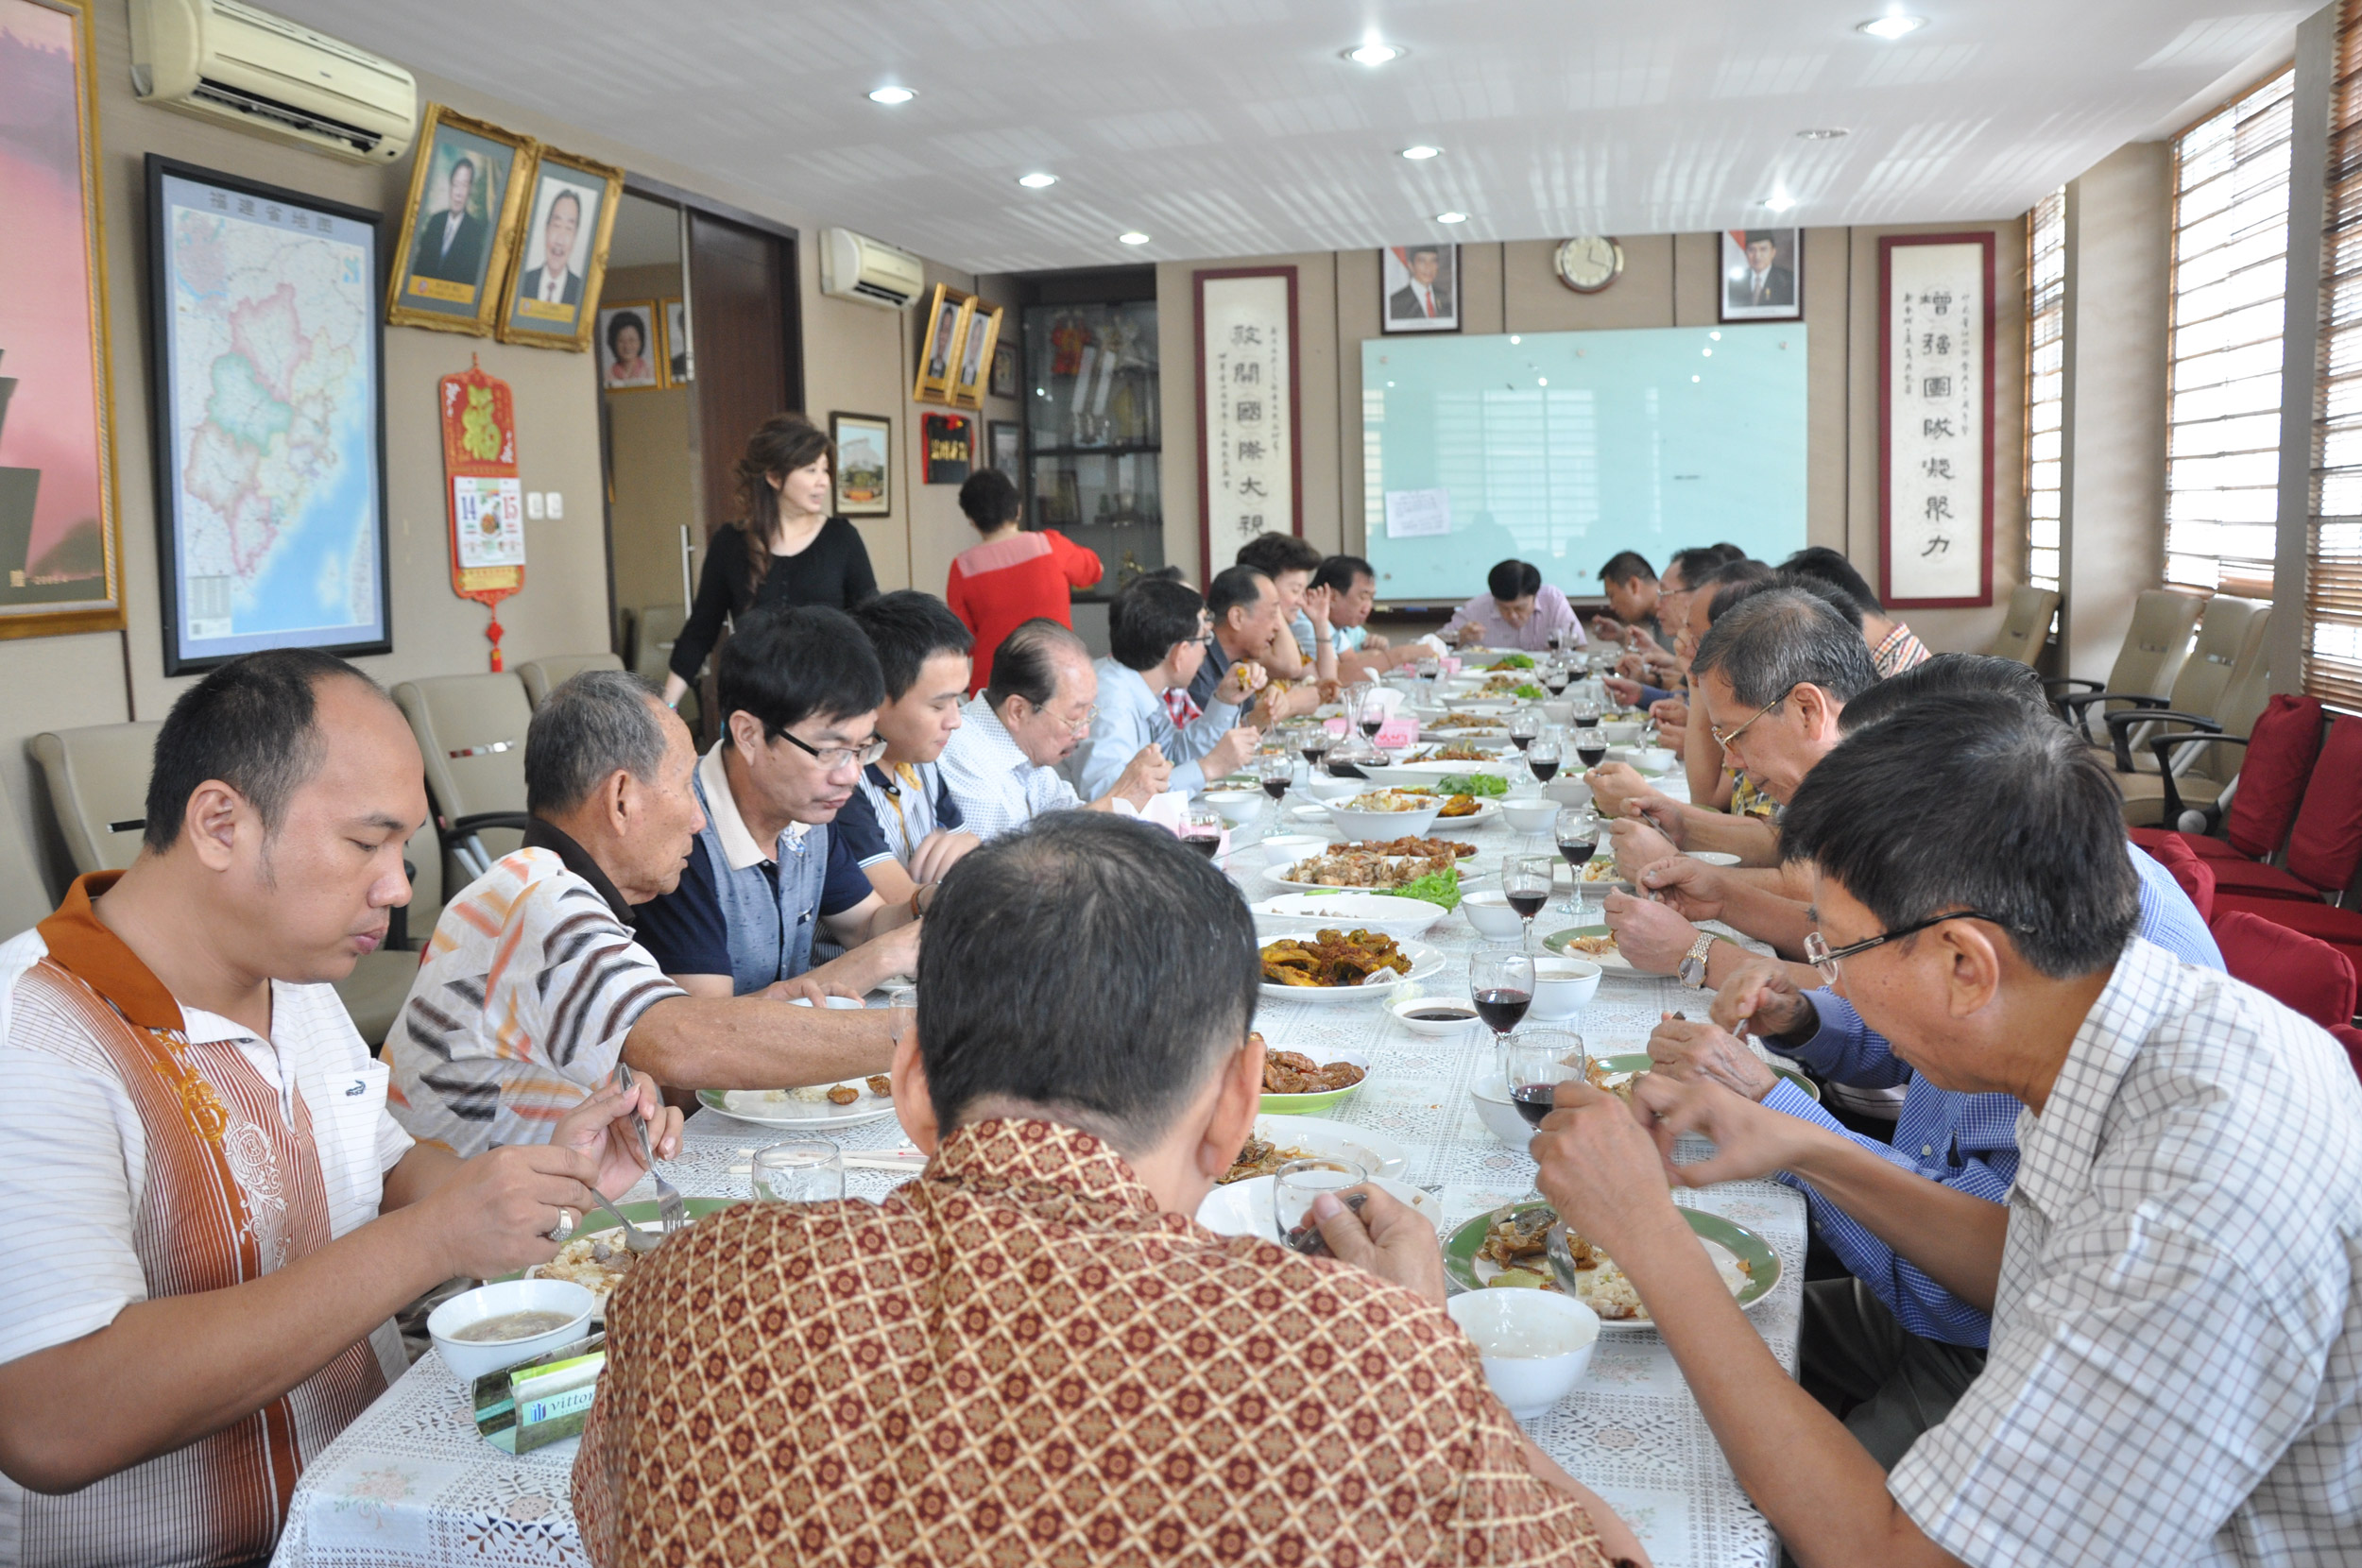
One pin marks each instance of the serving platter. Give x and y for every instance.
(1426, 963)
(1727, 1243)
(753, 1105)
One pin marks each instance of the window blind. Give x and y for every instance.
(2228, 284)
(2045, 381)
(2332, 607)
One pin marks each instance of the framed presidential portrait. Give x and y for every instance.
(1763, 275)
(457, 224)
(1004, 370)
(676, 355)
(568, 213)
(631, 354)
(864, 465)
(975, 356)
(944, 318)
(1419, 287)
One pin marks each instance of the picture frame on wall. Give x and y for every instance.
(630, 350)
(281, 544)
(864, 464)
(1937, 306)
(457, 224)
(1004, 370)
(944, 318)
(1763, 275)
(1250, 463)
(948, 455)
(1004, 443)
(556, 270)
(975, 360)
(677, 358)
(60, 531)
(1419, 288)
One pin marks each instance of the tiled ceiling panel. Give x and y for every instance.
(1231, 127)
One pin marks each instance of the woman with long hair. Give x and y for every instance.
(787, 549)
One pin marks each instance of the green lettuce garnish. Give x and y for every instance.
(1477, 784)
(1514, 661)
(1528, 692)
(1436, 887)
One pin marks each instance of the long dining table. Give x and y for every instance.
(411, 1483)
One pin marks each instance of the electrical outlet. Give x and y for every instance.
(533, 504)
(556, 506)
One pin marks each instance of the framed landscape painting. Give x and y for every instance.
(864, 469)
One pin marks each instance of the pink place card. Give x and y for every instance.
(1396, 733)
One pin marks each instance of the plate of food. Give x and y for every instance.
(1398, 917)
(1245, 1208)
(1332, 965)
(1525, 1245)
(598, 1260)
(1595, 943)
(1614, 1074)
(1365, 864)
(807, 1109)
(1598, 871)
(1296, 1086)
(1462, 813)
(1279, 1139)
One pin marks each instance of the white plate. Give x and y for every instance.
(1426, 963)
(1488, 809)
(801, 1114)
(1272, 874)
(1318, 1135)
(1243, 1208)
(1403, 920)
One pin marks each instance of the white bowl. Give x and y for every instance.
(1237, 807)
(1383, 824)
(1402, 1008)
(1490, 913)
(1620, 732)
(1531, 816)
(470, 1360)
(1563, 987)
(1568, 789)
(1535, 1344)
(1404, 919)
(1499, 1113)
(1287, 848)
(1714, 857)
(1654, 760)
(1322, 787)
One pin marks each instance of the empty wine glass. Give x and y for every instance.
(901, 1010)
(1500, 985)
(799, 1171)
(1526, 883)
(1577, 830)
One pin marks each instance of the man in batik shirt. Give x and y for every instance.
(1032, 1354)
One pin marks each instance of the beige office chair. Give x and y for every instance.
(2232, 630)
(2028, 625)
(98, 787)
(2186, 768)
(24, 900)
(471, 730)
(2154, 647)
(544, 676)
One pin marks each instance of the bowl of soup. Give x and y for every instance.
(507, 1323)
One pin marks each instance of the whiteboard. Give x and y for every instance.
(1563, 447)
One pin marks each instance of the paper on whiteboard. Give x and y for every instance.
(1417, 514)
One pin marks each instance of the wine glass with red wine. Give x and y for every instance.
(1538, 1063)
(1586, 713)
(1524, 726)
(1577, 830)
(1526, 883)
(1501, 983)
(1201, 829)
(1542, 760)
(1591, 745)
(1276, 775)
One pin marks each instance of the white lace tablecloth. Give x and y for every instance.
(412, 1483)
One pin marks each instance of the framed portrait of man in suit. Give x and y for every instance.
(552, 294)
(1419, 288)
(1763, 275)
(456, 226)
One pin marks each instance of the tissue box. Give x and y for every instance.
(545, 1400)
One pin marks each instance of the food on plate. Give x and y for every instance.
(1617, 1084)
(1286, 1072)
(1594, 945)
(1423, 848)
(1457, 751)
(596, 1262)
(1388, 800)
(1440, 887)
(1519, 1237)
(880, 1085)
(1459, 806)
(1512, 661)
(1331, 958)
(1519, 1242)
(1261, 1157)
(1362, 868)
(1477, 784)
(1527, 692)
(1600, 870)
(769, 1102)
(843, 1094)
(1464, 720)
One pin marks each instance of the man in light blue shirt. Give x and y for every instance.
(1156, 629)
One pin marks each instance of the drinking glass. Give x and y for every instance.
(1201, 829)
(1538, 1061)
(799, 1171)
(1542, 760)
(1591, 745)
(1526, 883)
(1577, 830)
(1587, 712)
(901, 1010)
(1500, 985)
(1276, 773)
(1523, 726)
(1297, 1183)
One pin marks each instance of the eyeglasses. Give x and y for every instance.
(1723, 740)
(1078, 728)
(1824, 958)
(838, 756)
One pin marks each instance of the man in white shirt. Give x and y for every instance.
(1001, 764)
(2176, 1279)
(903, 825)
(215, 1217)
(1157, 630)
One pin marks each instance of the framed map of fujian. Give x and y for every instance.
(269, 418)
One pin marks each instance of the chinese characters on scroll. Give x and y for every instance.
(1938, 301)
(1246, 408)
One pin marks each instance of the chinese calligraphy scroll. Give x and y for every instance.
(1249, 468)
(1935, 416)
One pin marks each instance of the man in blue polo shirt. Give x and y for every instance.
(903, 824)
(798, 693)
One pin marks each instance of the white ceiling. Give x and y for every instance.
(1228, 127)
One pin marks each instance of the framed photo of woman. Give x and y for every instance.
(946, 317)
(552, 294)
(630, 352)
(457, 224)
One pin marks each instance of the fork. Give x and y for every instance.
(635, 1239)
(669, 1206)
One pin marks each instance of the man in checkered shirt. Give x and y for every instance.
(2176, 1365)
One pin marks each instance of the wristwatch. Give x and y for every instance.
(1692, 969)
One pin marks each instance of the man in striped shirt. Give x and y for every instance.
(533, 987)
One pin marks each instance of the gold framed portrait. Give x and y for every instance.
(974, 366)
(946, 317)
(457, 224)
(566, 219)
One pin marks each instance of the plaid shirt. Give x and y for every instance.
(1900, 651)
(1019, 1358)
(998, 787)
(2176, 1371)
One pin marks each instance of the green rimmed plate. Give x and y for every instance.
(1638, 1062)
(1729, 1243)
(1611, 960)
(1320, 1104)
(643, 1214)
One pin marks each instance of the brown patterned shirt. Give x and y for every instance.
(1019, 1360)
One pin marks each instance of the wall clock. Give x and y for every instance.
(1588, 262)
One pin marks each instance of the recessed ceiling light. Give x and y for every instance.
(1778, 203)
(1037, 181)
(1376, 54)
(1451, 217)
(1133, 236)
(1891, 28)
(1821, 133)
(1421, 152)
(891, 95)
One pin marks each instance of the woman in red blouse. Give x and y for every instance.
(1011, 576)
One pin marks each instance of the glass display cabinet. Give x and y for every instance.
(1093, 433)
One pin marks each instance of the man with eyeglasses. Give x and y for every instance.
(538, 981)
(2174, 1271)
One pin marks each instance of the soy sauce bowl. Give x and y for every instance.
(1403, 1007)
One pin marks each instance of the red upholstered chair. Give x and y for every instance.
(2311, 976)
(2349, 1037)
(2280, 754)
(2195, 875)
(2325, 845)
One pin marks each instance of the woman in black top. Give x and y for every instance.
(788, 551)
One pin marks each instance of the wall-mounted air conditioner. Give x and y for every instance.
(226, 60)
(854, 266)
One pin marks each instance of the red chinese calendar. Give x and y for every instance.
(488, 534)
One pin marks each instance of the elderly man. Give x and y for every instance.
(215, 1217)
(1002, 763)
(767, 881)
(1245, 607)
(903, 824)
(1031, 1354)
(2188, 1145)
(534, 987)
(1157, 629)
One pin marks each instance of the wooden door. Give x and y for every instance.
(742, 292)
